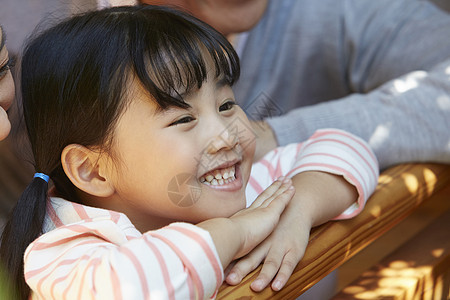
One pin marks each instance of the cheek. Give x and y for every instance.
(157, 170)
(6, 99)
(5, 125)
(247, 137)
(250, 146)
(178, 158)
(7, 90)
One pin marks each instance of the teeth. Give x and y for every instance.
(219, 177)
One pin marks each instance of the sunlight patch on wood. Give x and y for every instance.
(430, 179)
(411, 182)
(437, 252)
(375, 211)
(384, 179)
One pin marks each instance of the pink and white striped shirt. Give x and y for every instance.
(93, 253)
(329, 150)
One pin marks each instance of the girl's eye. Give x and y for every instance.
(183, 120)
(227, 106)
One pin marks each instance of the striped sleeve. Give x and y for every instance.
(328, 150)
(79, 261)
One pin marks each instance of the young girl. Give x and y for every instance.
(130, 112)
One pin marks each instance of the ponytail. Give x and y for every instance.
(23, 227)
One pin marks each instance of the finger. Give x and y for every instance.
(229, 268)
(268, 192)
(288, 265)
(279, 203)
(269, 269)
(286, 189)
(247, 264)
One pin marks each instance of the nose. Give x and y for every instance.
(224, 137)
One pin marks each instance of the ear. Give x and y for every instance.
(86, 169)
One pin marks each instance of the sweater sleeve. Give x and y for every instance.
(327, 150)
(405, 120)
(91, 260)
(399, 102)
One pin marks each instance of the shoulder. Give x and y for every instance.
(64, 216)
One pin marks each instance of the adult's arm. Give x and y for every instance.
(361, 49)
(405, 120)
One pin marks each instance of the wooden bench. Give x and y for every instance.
(400, 191)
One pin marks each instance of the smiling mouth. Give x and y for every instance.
(220, 176)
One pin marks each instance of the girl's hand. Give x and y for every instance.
(320, 197)
(237, 235)
(280, 253)
(259, 220)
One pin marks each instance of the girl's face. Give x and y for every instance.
(182, 164)
(6, 88)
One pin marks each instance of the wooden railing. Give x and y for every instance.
(400, 191)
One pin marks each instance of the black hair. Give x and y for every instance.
(73, 80)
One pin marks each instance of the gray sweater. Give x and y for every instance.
(384, 63)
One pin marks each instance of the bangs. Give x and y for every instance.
(173, 56)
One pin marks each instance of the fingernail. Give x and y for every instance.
(277, 285)
(233, 277)
(291, 187)
(281, 178)
(286, 180)
(257, 284)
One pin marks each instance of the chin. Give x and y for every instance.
(221, 208)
